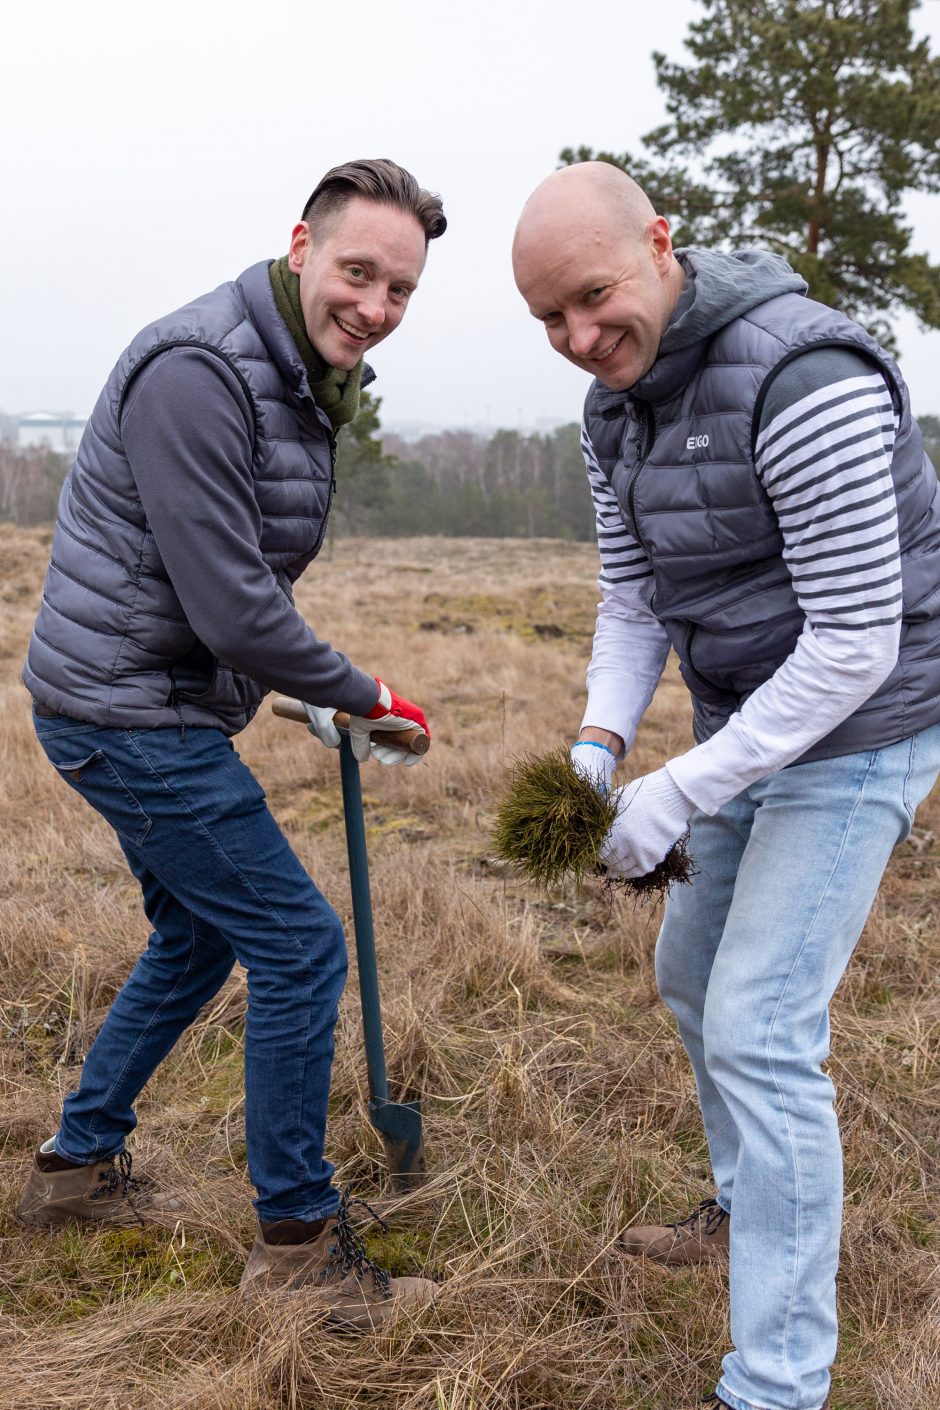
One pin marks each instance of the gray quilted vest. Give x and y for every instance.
(111, 644)
(678, 450)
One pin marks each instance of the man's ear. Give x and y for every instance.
(299, 246)
(660, 239)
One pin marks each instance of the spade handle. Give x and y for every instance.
(413, 740)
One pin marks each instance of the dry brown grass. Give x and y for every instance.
(558, 1103)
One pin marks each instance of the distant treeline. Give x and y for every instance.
(455, 483)
(30, 480)
(461, 483)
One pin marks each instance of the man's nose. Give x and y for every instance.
(371, 309)
(582, 336)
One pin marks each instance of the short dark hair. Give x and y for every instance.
(379, 180)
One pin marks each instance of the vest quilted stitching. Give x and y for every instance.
(111, 643)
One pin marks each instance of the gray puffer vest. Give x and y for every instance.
(111, 643)
(678, 450)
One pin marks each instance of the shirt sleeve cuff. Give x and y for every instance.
(610, 707)
(361, 694)
(714, 772)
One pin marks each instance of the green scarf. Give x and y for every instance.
(334, 391)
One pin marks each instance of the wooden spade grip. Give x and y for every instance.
(415, 741)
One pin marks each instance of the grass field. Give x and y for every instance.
(557, 1099)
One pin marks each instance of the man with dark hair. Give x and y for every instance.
(765, 508)
(199, 494)
(380, 181)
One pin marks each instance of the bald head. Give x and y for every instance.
(586, 193)
(594, 262)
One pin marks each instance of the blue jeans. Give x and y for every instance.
(748, 959)
(220, 883)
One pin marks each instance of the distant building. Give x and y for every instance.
(412, 430)
(60, 431)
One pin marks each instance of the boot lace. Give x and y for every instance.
(118, 1174)
(709, 1214)
(349, 1253)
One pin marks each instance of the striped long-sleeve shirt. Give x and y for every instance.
(823, 455)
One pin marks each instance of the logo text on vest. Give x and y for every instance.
(696, 442)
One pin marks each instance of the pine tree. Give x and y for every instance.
(930, 430)
(800, 126)
(363, 481)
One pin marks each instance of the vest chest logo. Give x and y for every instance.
(696, 442)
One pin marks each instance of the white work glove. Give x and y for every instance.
(321, 724)
(652, 815)
(385, 754)
(595, 763)
(390, 712)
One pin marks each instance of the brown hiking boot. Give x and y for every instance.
(329, 1262)
(58, 1192)
(702, 1236)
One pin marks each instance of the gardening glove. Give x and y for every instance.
(390, 712)
(321, 724)
(652, 814)
(595, 763)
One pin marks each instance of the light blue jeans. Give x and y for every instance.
(748, 959)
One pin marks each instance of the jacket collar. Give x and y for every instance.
(255, 288)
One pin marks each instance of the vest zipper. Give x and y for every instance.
(175, 702)
(649, 425)
(326, 513)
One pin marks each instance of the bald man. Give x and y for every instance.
(765, 508)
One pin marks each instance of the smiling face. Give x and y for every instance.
(357, 272)
(603, 286)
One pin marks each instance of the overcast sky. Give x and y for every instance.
(154, 151)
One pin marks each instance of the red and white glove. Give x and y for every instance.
(390, 712)
(652, 815)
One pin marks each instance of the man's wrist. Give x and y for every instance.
(594, 734)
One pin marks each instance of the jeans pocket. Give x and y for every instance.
(99, 783)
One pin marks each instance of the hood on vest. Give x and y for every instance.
(719, 288)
